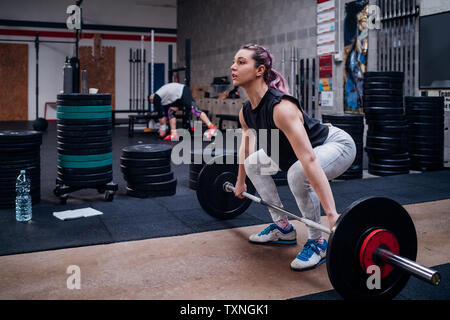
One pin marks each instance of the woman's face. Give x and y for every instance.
(243, 70)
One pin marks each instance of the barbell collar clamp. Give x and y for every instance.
(412, 267)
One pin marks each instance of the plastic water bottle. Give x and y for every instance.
(23, 197)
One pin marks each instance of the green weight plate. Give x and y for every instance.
(84, 164)
(85, 158)
(83, 109)
(84, 102)
(84, 115)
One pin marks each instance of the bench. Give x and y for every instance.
(140, 118)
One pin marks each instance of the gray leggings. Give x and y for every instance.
(335, 156)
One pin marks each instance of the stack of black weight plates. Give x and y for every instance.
(425, 117)
(387, 135)
(353, 124)
(19, 150)
(84, 138)
(198, 161)
(146, 168)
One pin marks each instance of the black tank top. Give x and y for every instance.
(262, 118)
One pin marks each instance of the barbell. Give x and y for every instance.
(373, 231)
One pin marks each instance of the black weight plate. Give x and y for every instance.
(375, 98)
(137, 179)
(382, 85)
(7, 136)
(388, 130)
(193, 175)
(84, 183)
(19, 156)
(390, 74)
(144, 170)
(388, 167)
(398, 138)
(85, 177)
(384, 117)
(384, 173)
(200, 156)
(426, 165)
(157, 162)
(34, 177)
(371, 79)
(425, 100)
(10, 149)
(343, 266)
(85, 122)
(193, 184)
(385, 151)
(5, 168)
(99, 102)
(83, 152)
(429, 119)
(81, 96)
(156, 186)
(388, 161)
(82, 128)
(20, 162)
(211, 195)
(75, 140)
(435, 152)
(82, 134)
(412, 110)
(343, 118)
(378, 91)
(86, 145)
(147, 151)
(434, 119)
(384, 110)
(82, 171)
(195, 168)
(145, 194)
(20, 144)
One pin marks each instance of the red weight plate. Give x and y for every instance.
(376, 239)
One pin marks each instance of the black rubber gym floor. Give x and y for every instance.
(127, 218)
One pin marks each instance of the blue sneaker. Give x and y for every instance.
(274, 234)
(312, 255)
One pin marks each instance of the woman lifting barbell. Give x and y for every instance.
(311, 152)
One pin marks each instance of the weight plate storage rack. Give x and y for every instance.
(84, 145)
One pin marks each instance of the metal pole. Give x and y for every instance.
(292, 77)
(187, 71)
(131, 77)
(36, 45)
(170, 62)
(412, 267)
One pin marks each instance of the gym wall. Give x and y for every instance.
(230, 24)
(218, 29)
(100, 12)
